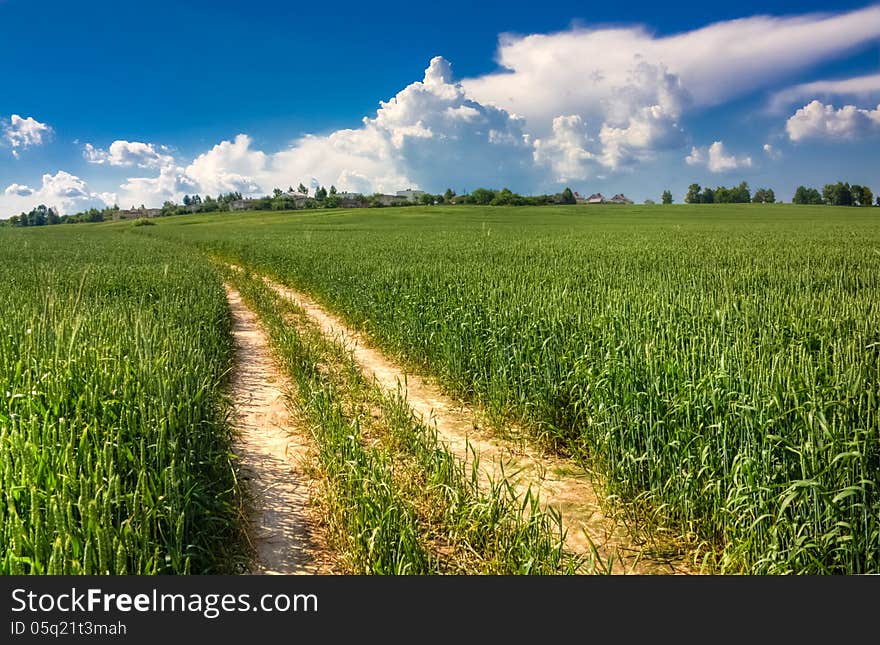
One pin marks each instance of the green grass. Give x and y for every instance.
(396, 500)
(114, 447)
(718, 364)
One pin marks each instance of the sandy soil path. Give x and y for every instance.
(559, 482)
(271, 453)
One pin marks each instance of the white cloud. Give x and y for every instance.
(772, 152)
(579, 70)
(859, 87)
(228, 166)
(651, 128)
(171, 184)
(429, 132)
(63, 191)
(716, 158)
(19, 189)
(565, 151)
(22, 133)
(696, 157)
(129, 153)
(634, 106)
(819, 121)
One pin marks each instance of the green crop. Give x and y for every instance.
(718, 364)
(114, 447)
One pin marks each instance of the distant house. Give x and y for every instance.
(298, 198)
(351, 200)
(620, 198)
(411, 195)
(137, 213)
(241, 205)
(391, 200)
(596, 198)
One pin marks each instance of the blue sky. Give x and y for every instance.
(139, 102)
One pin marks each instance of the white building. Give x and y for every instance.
(411, 195)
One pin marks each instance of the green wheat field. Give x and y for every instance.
(718, 366)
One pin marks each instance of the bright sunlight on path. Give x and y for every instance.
(271, 454)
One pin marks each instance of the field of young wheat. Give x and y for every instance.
(114, 448)
(717, 366)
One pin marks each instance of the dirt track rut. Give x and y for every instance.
(271, 452)
(560, 483)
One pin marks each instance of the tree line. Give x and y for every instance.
(740, 194)
(279, 200)
(839, 194)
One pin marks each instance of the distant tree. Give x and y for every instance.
(321, 193)
(506, 197)
(186, 200)
(210, 205)
(764, 196)
(427, 199)
(863, 195)
(39, 216)
(277, 192)
(169, 208)
(332, 190)
(855, 192)
(302, 189)
(482, 196)
(741, 194)
(666, 197)
(650, 202)
(693, 194)
(376, 201)
(448, 195)
(838, 194)
(567, 196)
(804, 195)
(708, 195)
(878, 200)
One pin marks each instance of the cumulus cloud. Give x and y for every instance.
(772, 152)
(429, 132)
(633, 88)
(819, 121)
(129, 153)
(650, 129)
(228, 166)
(580, 70)
(19, 189)
(22, 133)
(565, 151)
(858, 87)
(716, 158)
(63, 191)
(170, 185)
